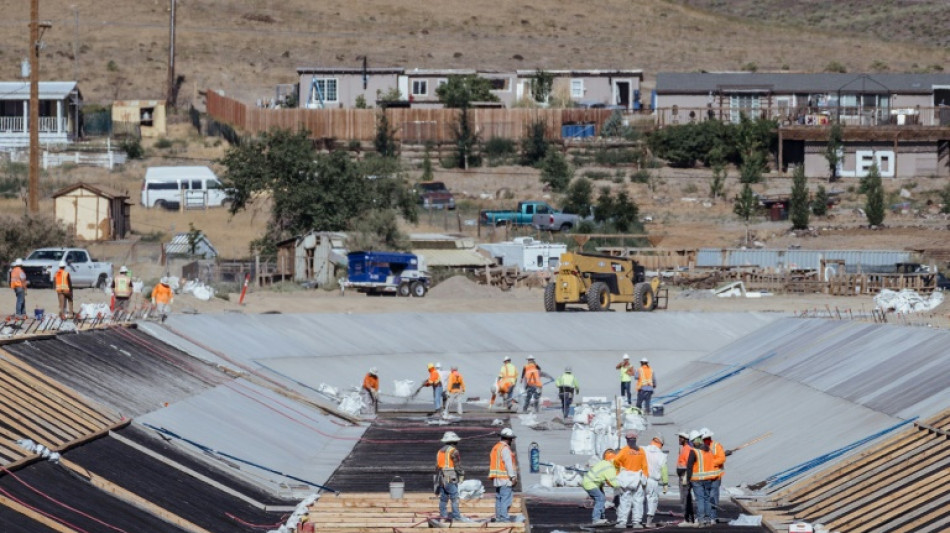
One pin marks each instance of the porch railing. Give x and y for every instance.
(9, 124)
(16, 125)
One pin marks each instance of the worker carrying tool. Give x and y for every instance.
(646, 383)
(162, 298)
(64, 290)
(448, 475)
(604, 472)
(18, 283)
(719, 462)
(686, 495)
(505, 384)
(369, 393)
(122, 289)
(634, 459)
(456, 391)
(567, 387)
(659, 476)
(531, 378)
(435, 381)
(626, 376)
(503, 471)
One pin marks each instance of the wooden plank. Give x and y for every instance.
(422, 522)
(487, 528)
(36, 401)
(35, 516)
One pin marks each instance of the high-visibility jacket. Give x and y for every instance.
(634, 460)
(600, 474)
(718, 453)
(503, 385)
(63, 283)
(567, 381)
(456, 383)
(162, 294)
(434, 378)
(684, 456)
(509, 373)
(625, 372)
(644, 377)
(496, 469)
(16, 278)
(371, 382)
(532, 376)
(123, 286)
(445, 460)
(703, 469)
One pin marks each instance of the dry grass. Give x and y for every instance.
(246, 47)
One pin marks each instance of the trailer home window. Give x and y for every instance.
(420, 87)
(324, 89)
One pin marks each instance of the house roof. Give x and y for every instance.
(101, 190)
(49, 90)
(349, 70)
(588, 72)
(787, 82)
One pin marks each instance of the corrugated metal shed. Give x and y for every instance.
(179, 245)
(870, 260)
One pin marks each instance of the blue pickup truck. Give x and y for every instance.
(376, 273)
(522, 216)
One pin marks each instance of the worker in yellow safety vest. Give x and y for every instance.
(503, 471)
(122, 289)
(604, 472)
(646, 383)
(448, 475)
(18, 283)
(626, 375)
(64, 290)
(456, 391)
(507, 379)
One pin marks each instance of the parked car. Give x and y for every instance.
(522, 215)
(41, 265)
(558, 221)
(435, 195)
(167, 187)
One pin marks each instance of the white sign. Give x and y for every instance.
(865, 159)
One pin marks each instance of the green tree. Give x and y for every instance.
(194, 237)
(534, 146)
(819, 205)
(751, 169)
(427, 173)
(626, 213)
(874, 197)
(945, 198)
(461, 91)
(20, 235)
(746, 204)
(799, 200)
(385, 140)
(466, 141)
(578, 197)
(604, 208)
(717, 185)
(360, 102)
(556, 172)
(833, 150)
(541, 84)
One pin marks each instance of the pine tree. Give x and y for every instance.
(745, 206)
(874, 204)
(799, 199)
(819, 205)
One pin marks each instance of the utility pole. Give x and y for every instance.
(170, 95)
(34, 202)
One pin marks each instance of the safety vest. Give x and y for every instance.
(509, 373)
(434, 377)
(566, 381)
(16, 278)
(718, 453)
(456, 383)
(371, 382)
(503, 385)
(444, 458)
(601, 473)
(62, 281)
(123, 286)
(532, 376)
(162, 294)
(703, 469)
(646, 377)
(497, 468)
(684, 456)
(624, 373)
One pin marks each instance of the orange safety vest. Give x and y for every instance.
(62, 281)
(509, 373)
(162, 294)
(503, 385)
(718, 454)
(646, 377)
(456, 383)
(444, 458)
(434, 378)
(497, 466)
(532, 376)
(703, 467)
(16, 278)
(632, 460)
(123, 286)
(684, 456)
(371, 382)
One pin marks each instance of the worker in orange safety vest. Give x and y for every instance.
(456, 391)
(449, 474)
(435, 381)
(369, 393)
(64, 290)
(162, 298)
(18, 283)
(646, 383)
(503, 471)
(634, 459)
(686, 496)
(531, 377)
(701, 474)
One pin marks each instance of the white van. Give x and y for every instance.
(165, 187)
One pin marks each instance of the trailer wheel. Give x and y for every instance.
(418, 289)
(550, 301)
(403, 289)
(598, 297)
(643, 299)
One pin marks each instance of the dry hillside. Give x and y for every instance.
(118, 49)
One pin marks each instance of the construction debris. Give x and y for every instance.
(907, 301)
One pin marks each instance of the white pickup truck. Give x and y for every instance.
(41, 265)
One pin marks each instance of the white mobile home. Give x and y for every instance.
(528, 254)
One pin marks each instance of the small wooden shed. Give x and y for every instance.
(95, 213)
(147, 115)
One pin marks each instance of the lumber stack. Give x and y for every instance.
(366, 512)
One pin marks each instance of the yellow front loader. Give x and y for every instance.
(598, 281)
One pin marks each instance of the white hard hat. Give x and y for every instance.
(631, 434)
(530, 357)
(658, 438)
(438, 366)
(683, 433)
(507, 433)
(706, 432)
(644, 360)
(625, 356)
(164, 281)
(695, 434)
(373, 371)
(450, 436)
(17, 262)
(567, 369)
(62, 263)
(123, 270)
(507, 358)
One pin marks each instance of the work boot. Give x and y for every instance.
(636, 525)
(649, 522)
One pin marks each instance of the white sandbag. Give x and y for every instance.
(630, 480)
(583, 414)
(603, 421)
(137, 286)
(471, 489)
(402, 388)
(351, 403)
(633, 421)
(747, 520)
(328, 390)
(907, 301)
(90, 310)
(528, 419)
(605, 440)
(582, 440)
(565, 478)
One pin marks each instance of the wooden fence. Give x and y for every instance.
(412, 125)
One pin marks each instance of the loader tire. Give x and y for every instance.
(598, 297)
(550, 301)
(643, 297)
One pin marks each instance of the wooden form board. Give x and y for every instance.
(899, 485)
(367, 512)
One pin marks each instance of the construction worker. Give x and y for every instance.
(369, 393)
(604, 472)
(719, 462)
(18, 283)
(162, 298)
(64, 290)
(531, 378)
(646, 383)
(700, 474)
(633, 458)
(435, 381)
(449, 474)
(659, 476)
(503, 471)
(626, 375)
(567, 387)
(507, 379)
(122, 289)
(456, 390)
(686, 496)
(501, 388)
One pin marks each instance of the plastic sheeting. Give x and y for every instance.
(471, 489)
(746, 520)
(907, 301)
(351, 403)
(402, 388)
(90, 310)
(198, 289)
(302, 510)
